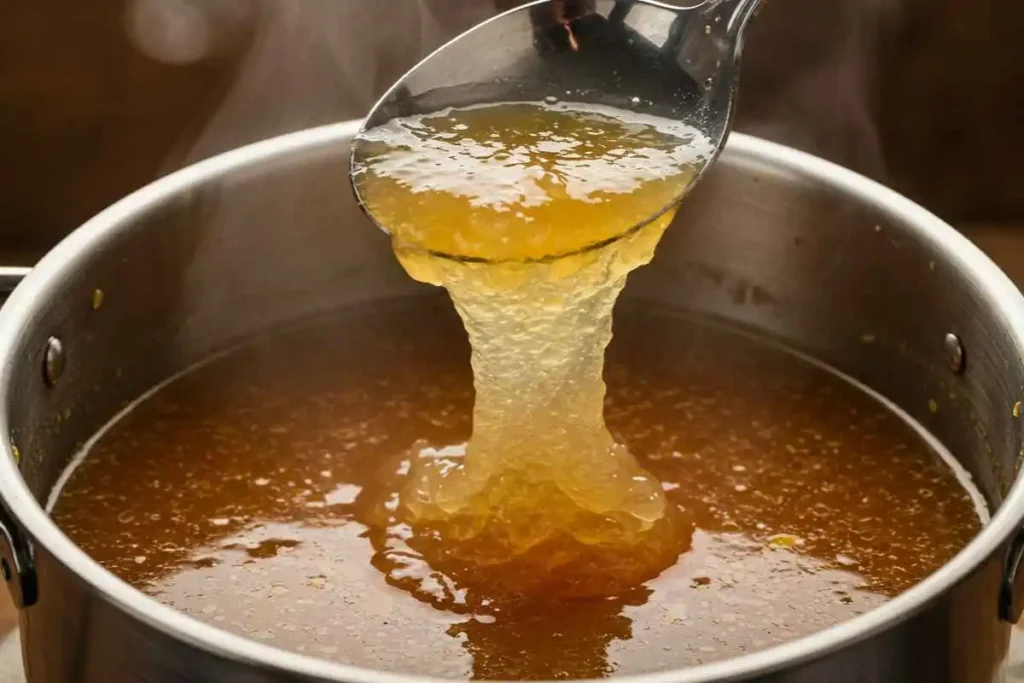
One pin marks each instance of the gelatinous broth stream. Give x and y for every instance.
(531, 216)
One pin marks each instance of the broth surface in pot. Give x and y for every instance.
(240, 494)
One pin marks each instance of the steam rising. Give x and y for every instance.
(310, 62)
(811, 75)
(809, 78)
(810, 68)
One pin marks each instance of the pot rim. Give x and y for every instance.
(21, 311)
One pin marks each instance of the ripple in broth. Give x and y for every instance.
(238, 494)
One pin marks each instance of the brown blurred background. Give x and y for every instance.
(98, 98)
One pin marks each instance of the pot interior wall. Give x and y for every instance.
(772, 247)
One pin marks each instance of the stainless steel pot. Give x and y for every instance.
(778, 241)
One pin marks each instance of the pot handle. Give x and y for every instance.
(1011, 592)
(16, 564)
(15, 555)
(10, 277)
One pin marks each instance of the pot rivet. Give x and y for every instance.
(954, 353)
(97, 299)
(53, 361)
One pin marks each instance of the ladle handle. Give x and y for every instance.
(16, 564)
(10, 278)
(739, 13)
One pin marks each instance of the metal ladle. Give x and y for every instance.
(654, 57)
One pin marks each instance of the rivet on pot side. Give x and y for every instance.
(53, 361)
(954, 353)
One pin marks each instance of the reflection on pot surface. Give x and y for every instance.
(245, 493)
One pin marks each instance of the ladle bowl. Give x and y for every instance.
(678, 61)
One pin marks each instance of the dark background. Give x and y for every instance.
(86, 116)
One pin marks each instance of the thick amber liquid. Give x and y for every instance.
(248, 493)
(531, 216)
